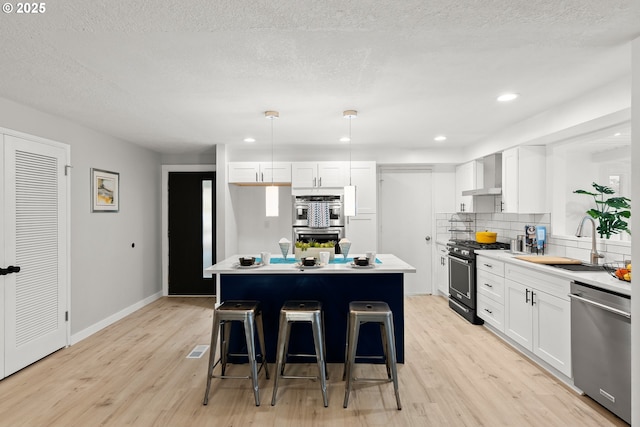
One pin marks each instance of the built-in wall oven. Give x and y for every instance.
(302, 204)
(320, 235)
(325, 224)
(462, 276)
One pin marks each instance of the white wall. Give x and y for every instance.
(635, 221)
(108, 276)
(256, 232)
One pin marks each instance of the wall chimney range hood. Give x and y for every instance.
(492, 177)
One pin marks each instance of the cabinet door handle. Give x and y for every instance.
(532, 300)
(488, 285)
(262, 176)
(320, 182)
(488, 265)
(256, 176)
(314, 182)
(488, 311)
(526, 298)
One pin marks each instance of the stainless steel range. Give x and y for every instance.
(462, 276)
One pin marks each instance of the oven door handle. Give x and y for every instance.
(460, 306)
(460, 260)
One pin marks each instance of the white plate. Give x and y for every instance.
(300, 265)
(362, 266)
(246, 267)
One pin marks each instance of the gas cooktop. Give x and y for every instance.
(472, 244)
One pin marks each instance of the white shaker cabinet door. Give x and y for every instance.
(518, 315)
(304, 174)
(244, 172)
(332, 174)
(552, 331)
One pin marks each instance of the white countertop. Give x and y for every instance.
(388, 264)
(596, 278)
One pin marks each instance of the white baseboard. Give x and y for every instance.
(77, 337)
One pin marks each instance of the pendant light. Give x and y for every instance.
(350, 190)
(271, 191)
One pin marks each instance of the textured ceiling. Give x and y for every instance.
(180, 76)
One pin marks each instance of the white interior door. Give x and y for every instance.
(405, 223)
(35, 239)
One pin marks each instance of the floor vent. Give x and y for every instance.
(198, 351)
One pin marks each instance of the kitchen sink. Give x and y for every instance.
(579, 267)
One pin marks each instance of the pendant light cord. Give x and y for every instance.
(272, 171)
(350, 118)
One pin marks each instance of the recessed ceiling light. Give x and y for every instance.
(440, 138)
(249, 140)
(345, 139)
(506, 97)
(617, 134)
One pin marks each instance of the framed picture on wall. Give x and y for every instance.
(105, 191)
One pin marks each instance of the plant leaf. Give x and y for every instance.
(618, 202)
(603, 189)
(585, 192)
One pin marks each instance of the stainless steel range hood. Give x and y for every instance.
(492, 177)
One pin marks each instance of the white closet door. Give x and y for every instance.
(35, 239)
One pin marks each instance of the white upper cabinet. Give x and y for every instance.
(469, 177)
(259, 172)
(523, 179)
(465, 180)
(318, 174)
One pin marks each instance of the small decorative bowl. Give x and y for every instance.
(308, 261)
(361, 261)
(247, 261)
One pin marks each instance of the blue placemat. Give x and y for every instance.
(339, 259)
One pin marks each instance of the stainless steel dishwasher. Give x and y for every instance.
(601, 346)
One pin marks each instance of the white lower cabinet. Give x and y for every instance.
(490, 291)
(441, 270)
(491, 312)
(538, 315)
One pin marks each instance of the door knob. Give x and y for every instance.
(9, 270)
(427, 238)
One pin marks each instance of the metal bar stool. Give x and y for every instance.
(301, 311)
(361, 312)
(249, 313)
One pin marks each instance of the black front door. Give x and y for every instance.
(191, 232)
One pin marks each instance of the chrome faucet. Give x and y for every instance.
(594, 252)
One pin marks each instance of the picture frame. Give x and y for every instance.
(105, 191)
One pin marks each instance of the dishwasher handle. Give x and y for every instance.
(602, 306)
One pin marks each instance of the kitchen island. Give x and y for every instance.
(335, 285)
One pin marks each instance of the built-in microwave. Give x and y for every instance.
(301, 210)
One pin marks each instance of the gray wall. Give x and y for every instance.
(108, 276)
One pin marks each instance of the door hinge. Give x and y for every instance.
(66, 316)
(67, 168)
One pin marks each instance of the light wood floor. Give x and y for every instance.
(135, 372)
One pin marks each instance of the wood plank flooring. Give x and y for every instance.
(135, 373)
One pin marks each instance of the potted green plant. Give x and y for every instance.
(611, 213)
(313, 248)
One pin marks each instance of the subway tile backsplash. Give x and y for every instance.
(509, 226)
